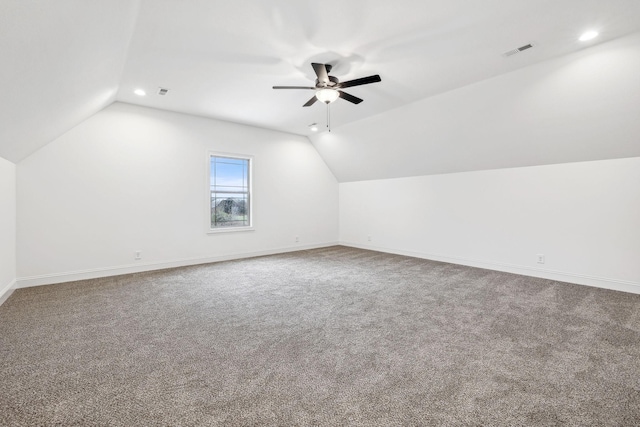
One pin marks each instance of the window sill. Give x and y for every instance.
(229, 230)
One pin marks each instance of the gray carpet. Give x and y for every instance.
(334, 336)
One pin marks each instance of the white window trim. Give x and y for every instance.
(250, 227)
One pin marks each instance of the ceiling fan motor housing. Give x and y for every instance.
(333, 81)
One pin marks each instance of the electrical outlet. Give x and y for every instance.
(540, 258)
(138, 255)
(368, 238)
(297, 239)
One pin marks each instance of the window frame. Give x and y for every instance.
(229, 229)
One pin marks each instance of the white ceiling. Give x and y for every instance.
(62, 61)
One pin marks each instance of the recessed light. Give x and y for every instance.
(140, 92)
(588, 36)
(313, 127)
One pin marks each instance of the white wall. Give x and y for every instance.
(504, 169)
(132, 178)
(584, 217)
(7, 226)
(579, 107)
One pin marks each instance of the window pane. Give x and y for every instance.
(230, 175)
(229, 189)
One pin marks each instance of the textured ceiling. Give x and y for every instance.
(63, 61)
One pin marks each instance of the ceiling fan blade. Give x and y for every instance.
(362, 81)
(350, 98)
(311, 101)
(293, 87)
(321, 72)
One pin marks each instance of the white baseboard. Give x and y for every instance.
(50, 279)
(6, 291)
(580, 279)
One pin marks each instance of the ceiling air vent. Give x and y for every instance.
(517, 50)
(162, 91)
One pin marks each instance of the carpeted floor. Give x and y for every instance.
(331, 337)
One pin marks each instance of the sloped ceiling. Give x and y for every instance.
(584, 106)
(62, 61)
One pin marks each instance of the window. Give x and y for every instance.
(229, 192)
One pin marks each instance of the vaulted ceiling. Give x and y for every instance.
(63, 61)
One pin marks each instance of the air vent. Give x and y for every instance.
(162, 91)
(518, 50)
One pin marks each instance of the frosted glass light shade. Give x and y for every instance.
(327, 95)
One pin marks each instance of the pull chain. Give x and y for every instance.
(328, 117)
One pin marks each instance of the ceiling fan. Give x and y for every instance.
(328, 88)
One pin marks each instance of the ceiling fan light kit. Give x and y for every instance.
(327, 95)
